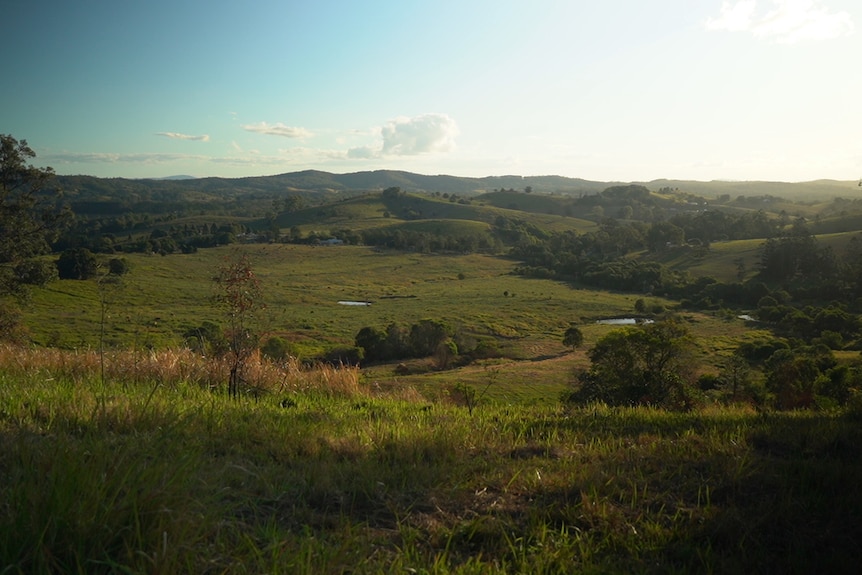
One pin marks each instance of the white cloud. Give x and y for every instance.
(178, 136)
(734, 17)
(277, 129)
(112, 158)
(788, 22)
(403, 136)
(419, 135)
(363, 153)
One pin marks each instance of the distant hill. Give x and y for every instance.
(792, 191)
(177, 177)
(321, 185)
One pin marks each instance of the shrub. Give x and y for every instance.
(35, 272)
(344, 355)
(573, 337)
(486, 349)
(276, 349)
(77, 264)
(639, 365)
(118, 266)
(11, 328)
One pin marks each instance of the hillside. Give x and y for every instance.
(324, 186)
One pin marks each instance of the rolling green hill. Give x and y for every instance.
(373, 210)
(319, 186)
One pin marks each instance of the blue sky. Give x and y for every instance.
(618, 90)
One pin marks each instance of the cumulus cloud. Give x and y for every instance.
(735, 16)
(787, 22)
(277, 129)
(427, 133)
(178, 136)
(363, 153)
(419, 135)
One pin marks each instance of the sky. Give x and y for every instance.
(617, 90)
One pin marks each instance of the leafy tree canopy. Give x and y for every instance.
(638, 365)
(30, 214)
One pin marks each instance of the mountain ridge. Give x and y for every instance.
(322, 182)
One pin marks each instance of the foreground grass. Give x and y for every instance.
(166, 476)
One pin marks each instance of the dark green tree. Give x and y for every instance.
(427, 335)
(791, 378)
(643, 365)
(118, 266)
(664, 234)
(392, 193)
(77, 264)
(373, 341)
(207, 338)
(573, 337)
(276, 348)
(30, 212)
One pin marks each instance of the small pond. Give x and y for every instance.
(349, 302)
(624, 321)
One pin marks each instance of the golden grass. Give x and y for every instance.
(172, 367)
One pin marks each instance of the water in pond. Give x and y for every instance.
(347, 302)
(624, 321)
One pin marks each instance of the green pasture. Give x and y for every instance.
(720, 261)
(165, 296)
(372, 210)
(302, 285)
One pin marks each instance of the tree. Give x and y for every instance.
(392, 193)
(427, 335)
(445, 353)
(276, 349)
(30, 214)
(373, 341)
(639, 365)
(573, 337)
(240, 296)
(664, 234)
(77, 264)
(735, 375)
(118, 266)
(791, 378)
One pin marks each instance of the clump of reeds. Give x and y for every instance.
(173, 367)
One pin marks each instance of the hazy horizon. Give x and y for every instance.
(622, 91)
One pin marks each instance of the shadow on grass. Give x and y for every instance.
(760, 493)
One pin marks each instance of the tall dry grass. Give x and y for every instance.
(174, 367)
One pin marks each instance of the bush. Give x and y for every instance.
(276, 348)
(344, 355)
(11, 328)
(118, 266)
(373, 342)
(486, 349)
(77, 264)
(35, 272)
(207, 338)
(645, 365)
(573, 337)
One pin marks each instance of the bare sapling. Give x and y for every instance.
(240, 296)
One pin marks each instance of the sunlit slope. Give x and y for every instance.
(374, 210)
(737, 260)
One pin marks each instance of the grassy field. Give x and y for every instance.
(133, 460)
(372, 210)
(721, 261)
(329, 474)
(162, 297)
